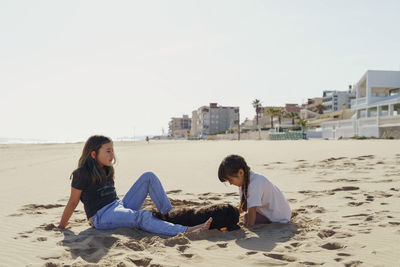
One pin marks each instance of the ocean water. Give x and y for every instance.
(4, 140)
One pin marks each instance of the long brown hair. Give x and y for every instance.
(89, 164)
(231, 166)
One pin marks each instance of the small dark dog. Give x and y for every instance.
(224, 215)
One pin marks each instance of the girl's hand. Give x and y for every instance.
(251, 216)
(60, 226)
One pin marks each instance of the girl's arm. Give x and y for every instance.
(69, 209)
(251, 216)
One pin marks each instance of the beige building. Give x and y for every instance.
(180, 127)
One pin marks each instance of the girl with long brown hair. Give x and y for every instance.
(93, 184)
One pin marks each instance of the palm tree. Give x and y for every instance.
(279, 113)
(319, 108)
(257, 106)
(272, 112)
(292, 115)
(303, 123)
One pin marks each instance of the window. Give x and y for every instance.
(396, 109)
(372, 112)
(394, 91)
(362, 113)
(384, 110)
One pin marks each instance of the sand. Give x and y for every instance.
(345, 195)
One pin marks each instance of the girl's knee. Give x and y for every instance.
(150, 175)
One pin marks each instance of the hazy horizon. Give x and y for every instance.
(76, 68)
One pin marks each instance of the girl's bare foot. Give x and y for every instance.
(203, 226)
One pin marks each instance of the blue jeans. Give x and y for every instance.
(127, 212)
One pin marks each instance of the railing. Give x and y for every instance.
(338, 124)
(367, 122)
(358, 101)
(345, 123)
(363, 126)
(391, 120)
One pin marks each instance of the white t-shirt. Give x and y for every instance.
(268, 199)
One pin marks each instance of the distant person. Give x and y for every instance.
(262, 201)
(147, 139)
(93, 184)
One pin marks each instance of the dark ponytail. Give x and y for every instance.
(231, 166)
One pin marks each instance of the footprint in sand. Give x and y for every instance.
(326, 233)
(332, 246)
(365, 157)
(133, 245)
(345, 188)
(353, 264)
(310, 263)
(332, 159)
(139, 261)
(355, 204)
(370, 198)
(295, 244)
(281, 257)
(182, 248)
(174, 191)
(218, 245)
(343, 254)
(176, 240)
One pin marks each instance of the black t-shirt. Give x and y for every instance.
(94, 195)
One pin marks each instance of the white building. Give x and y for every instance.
(377, 106)
(212, 119)
(336, 100)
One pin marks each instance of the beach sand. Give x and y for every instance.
(345, 196)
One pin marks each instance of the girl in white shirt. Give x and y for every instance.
(262, 200)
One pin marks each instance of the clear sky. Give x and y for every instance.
(70, 69)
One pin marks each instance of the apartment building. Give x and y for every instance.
(180, 127)
(212, 119)
(337, 100)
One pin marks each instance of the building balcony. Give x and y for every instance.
(383, 98)
(358, 101)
